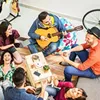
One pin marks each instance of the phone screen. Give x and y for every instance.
(37, 73)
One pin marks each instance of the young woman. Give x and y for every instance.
(66, 91)
(6, 71)
(7, 40)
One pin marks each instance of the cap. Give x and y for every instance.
(94, 31)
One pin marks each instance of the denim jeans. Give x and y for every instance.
(50, 49)
(70, 70)
(3, 86)
(52, 91)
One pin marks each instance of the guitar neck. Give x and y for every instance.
(70, 30)
(56, 34)
(77, 28)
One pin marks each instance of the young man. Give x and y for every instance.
(90, 66)
(19, 91)
(44, 21)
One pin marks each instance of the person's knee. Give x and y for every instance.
(53, 47)
(74, 45)
(32, 48)
(67, 70)
(17, 57)
(51, 91)
(19, 61)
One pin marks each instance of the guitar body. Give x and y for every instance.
(45, 32)
(15, 7)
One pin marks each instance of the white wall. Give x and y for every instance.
(71, 8)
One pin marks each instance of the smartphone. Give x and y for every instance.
(37, 73)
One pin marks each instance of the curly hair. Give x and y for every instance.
(2, 56)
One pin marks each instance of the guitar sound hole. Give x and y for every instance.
(49, 36)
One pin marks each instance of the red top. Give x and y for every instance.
(63, 85)
(8, 40)
(93, 60)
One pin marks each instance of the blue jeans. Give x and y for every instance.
(52, 91)
(50, 49)
(70, 70)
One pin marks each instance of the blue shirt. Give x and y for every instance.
(13, 93)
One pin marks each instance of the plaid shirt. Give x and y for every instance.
(7, 76)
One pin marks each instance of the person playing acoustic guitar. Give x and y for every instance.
(46, 32)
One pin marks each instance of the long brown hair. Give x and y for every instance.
(83, 97)
(2, 56)
(3, 28)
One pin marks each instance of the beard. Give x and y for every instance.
(89, 43)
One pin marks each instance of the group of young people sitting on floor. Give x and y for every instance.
(12, 85)
(87, 52)
(16, 78)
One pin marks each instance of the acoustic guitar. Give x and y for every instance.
(52, 35)
(15, 6)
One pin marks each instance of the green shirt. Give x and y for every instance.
(8, 75)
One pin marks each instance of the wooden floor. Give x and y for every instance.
(52, 60)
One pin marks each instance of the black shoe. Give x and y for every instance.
(63, 63)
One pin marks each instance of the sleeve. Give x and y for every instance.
(32, 30)
(65, 84)
(89, 62)
(60, 25)
(16, 34)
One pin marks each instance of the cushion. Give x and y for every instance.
(68, 40)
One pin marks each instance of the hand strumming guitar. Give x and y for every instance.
(43, 38)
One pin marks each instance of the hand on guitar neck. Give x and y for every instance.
(77, 28)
